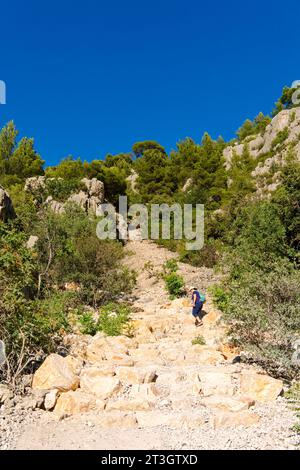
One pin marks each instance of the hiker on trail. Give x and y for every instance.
(197, 304)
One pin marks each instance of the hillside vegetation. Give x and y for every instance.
(252, 236)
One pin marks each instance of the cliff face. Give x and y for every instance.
(270, 149)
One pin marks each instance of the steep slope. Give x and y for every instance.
(154, 390)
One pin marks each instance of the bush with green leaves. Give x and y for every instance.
(30, 327)
(171, 266)
(113, 318)
(261, 291)
(68, 250)
(174, 285)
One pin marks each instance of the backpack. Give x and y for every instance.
(202, 298)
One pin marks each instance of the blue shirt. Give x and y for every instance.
(198, 300)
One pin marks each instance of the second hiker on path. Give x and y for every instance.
(197, 304)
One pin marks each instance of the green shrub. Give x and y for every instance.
(113, 318)
(88, 325)
(174, 285)
(171, 266)
(220, 297)
(61, 189)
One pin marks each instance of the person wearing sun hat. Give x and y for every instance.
(197, 304)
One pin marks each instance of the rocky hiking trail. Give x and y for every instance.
(155, 390)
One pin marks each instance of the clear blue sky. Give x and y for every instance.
(90, 77)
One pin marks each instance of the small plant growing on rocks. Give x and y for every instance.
(199, 340)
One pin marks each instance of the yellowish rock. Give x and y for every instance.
(55, 373)
(228, 351)
(116, 359)
(129, 405)
(211, 318)
(216, 383)
(173, 354)
(101, 346)
(71, 403)
(230, 419)
(75, 364)
(93, 381)
(260, 387)
(204, 355)
(135, 375)
(51, 399)
(227, 403)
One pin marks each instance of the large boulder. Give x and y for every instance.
(204, 355)
(216, 383)
(55, 373)
(93, 381)
(260, 387)
(71, 403)
(6, 207)
(103, 347)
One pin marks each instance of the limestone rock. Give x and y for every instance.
(55, 373)
(51, 399)
(102, 348)
(204, 355)
(227, 403)
(216, 383)
(71, 403)
(135, 375)
(260, 387)
(93, 381)
(35, 184)
(132, 180)
(230, 419)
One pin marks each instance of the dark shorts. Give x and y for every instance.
(197, 310)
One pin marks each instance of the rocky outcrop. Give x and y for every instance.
(273, 153)
(89, 198)
(6, 207)
(262, 144)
